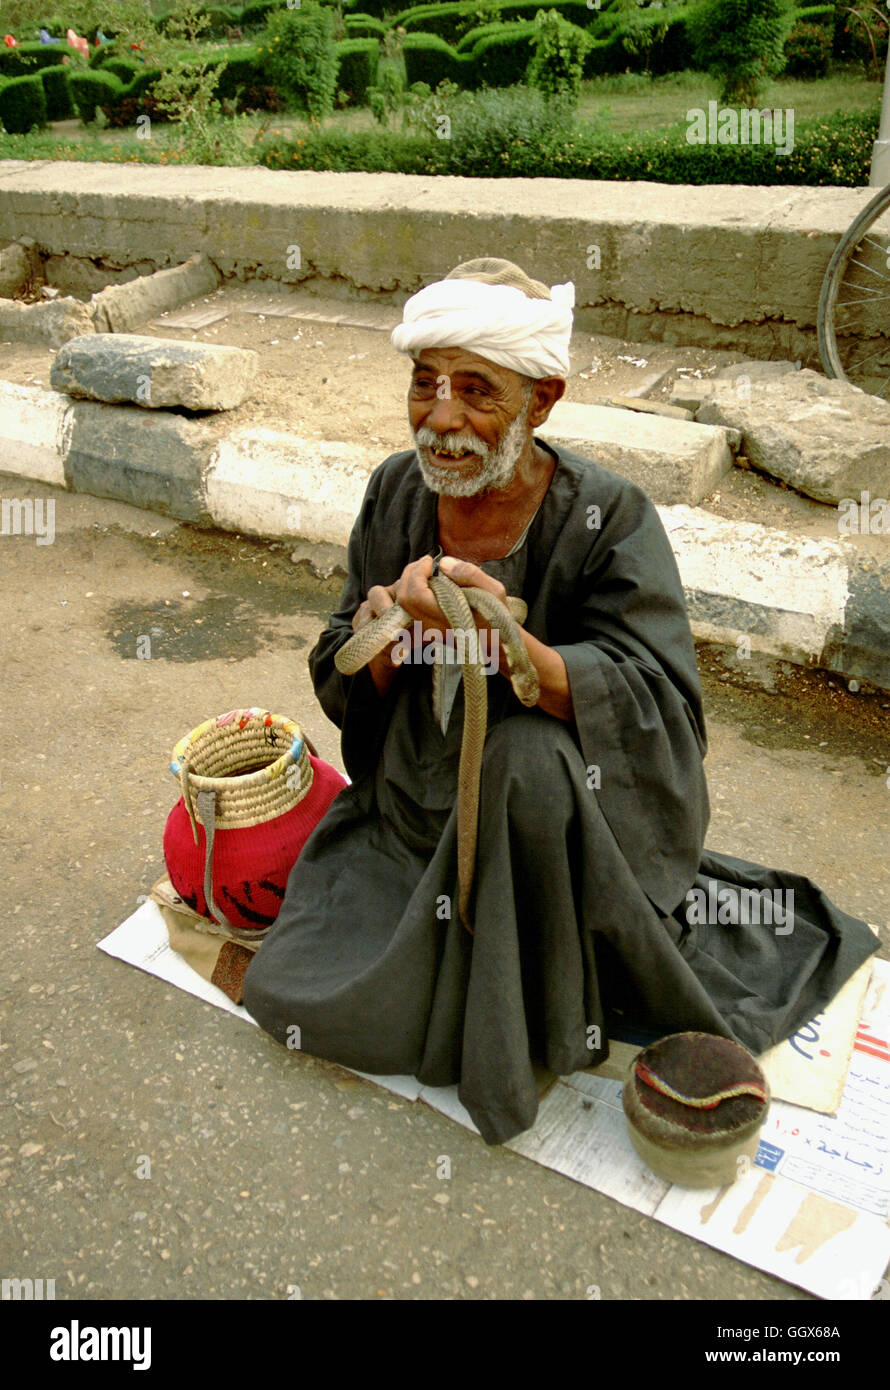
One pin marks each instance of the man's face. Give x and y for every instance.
(469, 420)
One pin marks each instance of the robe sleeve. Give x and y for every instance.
(352, 702)
(632, 672)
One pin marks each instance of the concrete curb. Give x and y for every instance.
(813, 603)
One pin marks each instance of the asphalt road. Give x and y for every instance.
(270, 1170)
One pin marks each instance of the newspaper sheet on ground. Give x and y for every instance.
(813, 1209)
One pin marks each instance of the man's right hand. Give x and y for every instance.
(413, 592)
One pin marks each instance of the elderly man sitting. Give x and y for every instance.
(593, 805)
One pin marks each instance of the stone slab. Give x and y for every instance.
(154, 372)
(52, 323)
(669, 412)
(673, 461)
(119, 308)
(149, 459)
(824, 438)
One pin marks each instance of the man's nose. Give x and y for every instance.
(446, 414)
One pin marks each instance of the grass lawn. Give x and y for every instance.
(625, 103)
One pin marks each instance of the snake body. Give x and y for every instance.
(458, 604)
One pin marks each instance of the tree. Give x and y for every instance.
(741, 43)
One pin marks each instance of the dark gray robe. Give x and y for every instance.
(590, 835)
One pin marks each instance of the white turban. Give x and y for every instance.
(498, 322)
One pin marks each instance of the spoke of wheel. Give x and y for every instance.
(865, 266)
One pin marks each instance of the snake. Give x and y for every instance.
(458, 604)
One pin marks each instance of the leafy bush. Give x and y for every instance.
(59, 106)
(127, 110)
(558, 58)
(741, 43)
(22, 105)
(808, 50)
(358, 61)
(92, 89)
(301, 58)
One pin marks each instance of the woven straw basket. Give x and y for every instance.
(244, 758)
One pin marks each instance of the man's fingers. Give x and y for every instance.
(471, 576)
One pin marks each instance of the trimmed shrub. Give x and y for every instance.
(428, 58)
(92, 89)
(142, 83)
(816, 14)
(358, 60)
(501, 60)
(300, 56)
(255, 15)
(123, 68)
(59, 106)
(241, 67)
(449, 19)
(360, 26)
(808, 50)
(220, 18)
(27, 58)
(22, 105)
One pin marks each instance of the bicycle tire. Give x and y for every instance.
(837, 266)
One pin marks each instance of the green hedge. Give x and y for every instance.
(27, 58)
(816, 14)
(501, 60)
(92, 89)
(359, 59)
(59, 106)
(428, 58)
(444, 18)
(253, 16)
(22, 104)
(124, 68)
(831, 151)
(241, 67)
(359, 26)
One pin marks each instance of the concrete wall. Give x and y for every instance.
(731, 267)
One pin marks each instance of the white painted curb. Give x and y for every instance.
(802, 584)
(264, 483)
(35, 431)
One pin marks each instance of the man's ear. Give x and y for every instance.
(545, 393)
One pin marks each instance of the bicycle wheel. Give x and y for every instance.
(854, 306)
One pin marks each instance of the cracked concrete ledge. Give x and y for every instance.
(738, 268)
(766, 592)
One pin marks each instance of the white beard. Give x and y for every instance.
(495, 471)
